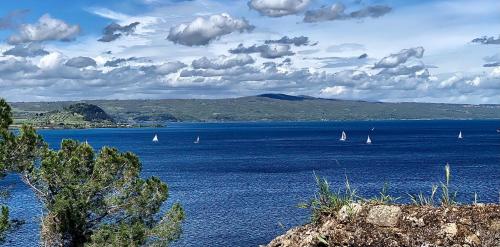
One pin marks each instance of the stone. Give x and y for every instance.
(473, 239)
(495, 225)
(416, 222)
(449, 229)
(349, 211)
(384, 215)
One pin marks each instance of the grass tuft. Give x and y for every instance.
(327, 202)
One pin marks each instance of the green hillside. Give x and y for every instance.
(79, 115)
(268, 107)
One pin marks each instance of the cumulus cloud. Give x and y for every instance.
(81, 62)
(118, 61)
(487, 40)
(47, 28)
(401, 57)
(164, 68)
(297, 41)
(26, 50)
(333, 91)
(114, 31)
(266, 51)
(202, 30)
(52, 77)
(222, 62)
(51, 60)
(278, 8)
(337, 12)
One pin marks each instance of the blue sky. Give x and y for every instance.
(383, 50)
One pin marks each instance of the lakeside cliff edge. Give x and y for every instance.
(400, 225)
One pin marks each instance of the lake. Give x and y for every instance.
(241, 184)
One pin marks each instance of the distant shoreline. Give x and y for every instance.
(165, 125)
(260, 108)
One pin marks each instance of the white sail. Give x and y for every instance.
(368, 140)
(155, 139)
(197, 140)
(343, 137)
(460, 135)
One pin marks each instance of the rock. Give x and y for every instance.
(473, 239)
(449, 229)
(495, 225)
(401, 225)
(415, 222)
(383, 215)
(349, 211)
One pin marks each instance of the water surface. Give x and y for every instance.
(241, 184)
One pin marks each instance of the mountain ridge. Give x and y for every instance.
(263, 107)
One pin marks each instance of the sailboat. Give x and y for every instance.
(155, 139)
(368, 140)
(343, 137)
(460, 135)
(197, 140)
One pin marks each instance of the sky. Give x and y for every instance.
(375, 50)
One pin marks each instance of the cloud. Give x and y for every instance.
(495, 64)
(297, 41)
(345, 47)
(165, 68)
(202, 30)
(337, 62)
(266, 51)
(47, 28)
(396, 59)
(114, 31)
(222, 62)
(10, 20)
(52, 78)
(337, 12)
(81, 62)
(118, 61)
(278, 8)
(26, 50)
(492, 61)
(51, 60)
(333, 91)
(487, 40)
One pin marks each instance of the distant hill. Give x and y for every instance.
(265, 107)
(89, 112)
(79, 115)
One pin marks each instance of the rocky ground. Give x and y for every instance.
(400, 225)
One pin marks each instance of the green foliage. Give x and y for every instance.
(384, 196)
(5, 121)
(89, 199)
(5, 115)
(101, 199)
(447, 198)
(326, 202)
(4, 221)
(89, 112)
(422, 200)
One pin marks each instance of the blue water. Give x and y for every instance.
(241, 184)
